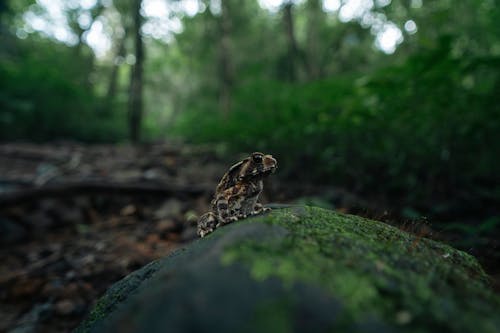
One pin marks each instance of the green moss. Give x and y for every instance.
(280, 322)
(374, 269)
(118, 293)
(303, 269)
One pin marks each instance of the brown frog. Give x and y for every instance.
(237, 193)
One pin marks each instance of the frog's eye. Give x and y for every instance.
(257, 158)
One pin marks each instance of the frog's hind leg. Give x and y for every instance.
(223, 213)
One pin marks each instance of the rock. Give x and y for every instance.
(167, 225)
(152, 174)
(303, 269)
(128, 210)
(169, 208)
(65, 307)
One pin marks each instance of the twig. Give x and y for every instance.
(32, 153)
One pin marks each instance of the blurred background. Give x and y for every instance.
(118, 117)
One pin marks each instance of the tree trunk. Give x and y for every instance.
(113, 79)
(136, 76)
(315, 21)
(293, 50)
(88, 57)
(73, 16)
(226, 73)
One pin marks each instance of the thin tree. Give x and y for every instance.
(225, 64)
(74, 15)
(292, 61)
(82, 50)
(314, 52)
(113, 78)
(136, 76)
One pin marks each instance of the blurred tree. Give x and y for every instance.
(136, 75)
(315, 39)
(293, 56)
(74, 15)
(119, 54)
(121, 34)
(82, 50)
(45, 90)
(225, 61)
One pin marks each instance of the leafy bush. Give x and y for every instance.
(44, 95)
(428, 128)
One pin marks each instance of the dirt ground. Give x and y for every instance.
(74, 219)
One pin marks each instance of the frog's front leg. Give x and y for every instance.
(256, 189)
(207, 224)
(258, 208)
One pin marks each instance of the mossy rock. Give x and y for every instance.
(303, 269)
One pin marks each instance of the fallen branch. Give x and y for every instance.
(102, 188)
(33, 153)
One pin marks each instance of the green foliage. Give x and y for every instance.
(424, 129)
(421, 130)
(45, 95)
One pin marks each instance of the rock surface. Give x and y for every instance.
(303, 269)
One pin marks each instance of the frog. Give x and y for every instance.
(237, 193)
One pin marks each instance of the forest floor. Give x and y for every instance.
(74, 219)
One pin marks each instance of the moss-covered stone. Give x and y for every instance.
(304, 269)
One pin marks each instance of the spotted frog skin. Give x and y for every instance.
(237, 193)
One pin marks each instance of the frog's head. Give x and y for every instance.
(258, 165)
